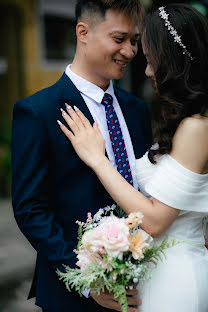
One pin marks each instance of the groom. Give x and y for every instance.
(51, 187)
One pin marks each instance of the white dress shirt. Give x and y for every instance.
(93, 95)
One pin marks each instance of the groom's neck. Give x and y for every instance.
(81, 68)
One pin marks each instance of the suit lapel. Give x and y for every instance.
(72, 96)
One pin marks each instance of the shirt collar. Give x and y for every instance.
(88, 88)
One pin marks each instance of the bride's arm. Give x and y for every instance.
(157, 216)
(90, 146)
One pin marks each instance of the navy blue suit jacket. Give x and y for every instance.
(52, 187)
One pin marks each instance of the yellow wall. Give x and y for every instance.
(35, 76)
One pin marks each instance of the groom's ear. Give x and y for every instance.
(82, 30)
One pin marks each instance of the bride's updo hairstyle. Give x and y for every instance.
(181, 73)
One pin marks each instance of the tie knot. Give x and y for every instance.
(107, 99)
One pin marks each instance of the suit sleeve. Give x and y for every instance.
(30, 187)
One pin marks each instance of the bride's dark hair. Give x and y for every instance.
(182, 83)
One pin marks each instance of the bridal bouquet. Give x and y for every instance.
(112, 253)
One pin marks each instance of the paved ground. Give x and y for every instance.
(16, 264)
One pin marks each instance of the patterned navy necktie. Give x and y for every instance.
(117, 140)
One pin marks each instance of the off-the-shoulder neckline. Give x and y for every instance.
(159, 158)
(181, 166)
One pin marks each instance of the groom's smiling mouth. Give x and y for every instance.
(121, 63)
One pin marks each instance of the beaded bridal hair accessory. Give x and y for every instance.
(173, 31)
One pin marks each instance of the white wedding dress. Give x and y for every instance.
(179, 283)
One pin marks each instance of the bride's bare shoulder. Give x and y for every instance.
(194, 128)
(190, 143)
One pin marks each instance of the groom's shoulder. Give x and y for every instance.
(129, 97)
(42, 98)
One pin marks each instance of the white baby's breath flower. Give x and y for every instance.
(109, 208)
(138, 270)
(97, 217)
(101, 211)
(99, 214)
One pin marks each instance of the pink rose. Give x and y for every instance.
(86, 257)
(112, 235)
(91, 241)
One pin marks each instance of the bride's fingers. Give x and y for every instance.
(133, 301)
(67, 132)
(84, 120)
(74, 116)
(73, 125)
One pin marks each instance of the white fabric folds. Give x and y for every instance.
(179, 283)
(173, 184)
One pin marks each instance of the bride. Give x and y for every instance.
(173, 174)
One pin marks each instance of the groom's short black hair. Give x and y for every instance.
(94, 8)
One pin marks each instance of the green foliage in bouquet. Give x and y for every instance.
(155, 253)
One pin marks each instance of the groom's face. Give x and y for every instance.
(111, 45)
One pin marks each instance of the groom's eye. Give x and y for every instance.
(118, 40)
(134, 42)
